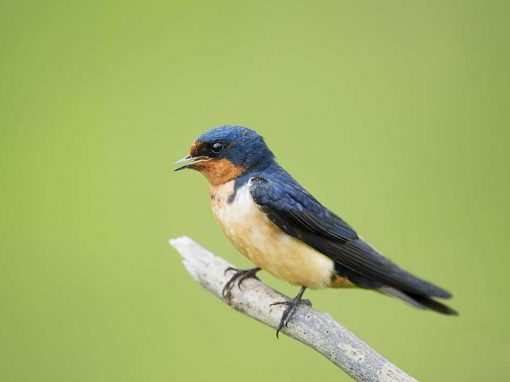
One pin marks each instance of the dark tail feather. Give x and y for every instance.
(419, 301)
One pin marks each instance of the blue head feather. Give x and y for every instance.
(243, 147)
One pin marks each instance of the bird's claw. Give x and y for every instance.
(289, 312)
(240, 276)
(304, 302)
(230, 269)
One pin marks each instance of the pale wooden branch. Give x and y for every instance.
(313, 328)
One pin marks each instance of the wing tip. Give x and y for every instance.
(420, 301)
(440, 293)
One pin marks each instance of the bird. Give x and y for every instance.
(281, 228)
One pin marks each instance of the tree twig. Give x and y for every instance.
(313, 328)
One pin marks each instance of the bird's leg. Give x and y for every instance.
(239, 275)
(292, 306)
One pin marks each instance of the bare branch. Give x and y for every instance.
(313, 328)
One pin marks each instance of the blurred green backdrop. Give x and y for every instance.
(394, 114)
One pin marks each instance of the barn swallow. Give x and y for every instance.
(273, 221)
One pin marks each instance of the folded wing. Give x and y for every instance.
(300, 215)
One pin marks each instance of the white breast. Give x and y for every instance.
(269, 248)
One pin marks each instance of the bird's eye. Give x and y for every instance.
(217, 147)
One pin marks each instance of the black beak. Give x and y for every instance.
(189, 161)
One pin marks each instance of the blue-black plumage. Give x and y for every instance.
(283, 229)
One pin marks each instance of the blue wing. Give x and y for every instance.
(300, 215)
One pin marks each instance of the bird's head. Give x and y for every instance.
(227, 152)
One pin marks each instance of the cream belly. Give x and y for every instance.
(269, 248)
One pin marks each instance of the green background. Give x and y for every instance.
(393, 114)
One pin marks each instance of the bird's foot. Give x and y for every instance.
(240, 275)
(292, 306)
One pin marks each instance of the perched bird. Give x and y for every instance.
(273, 221)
